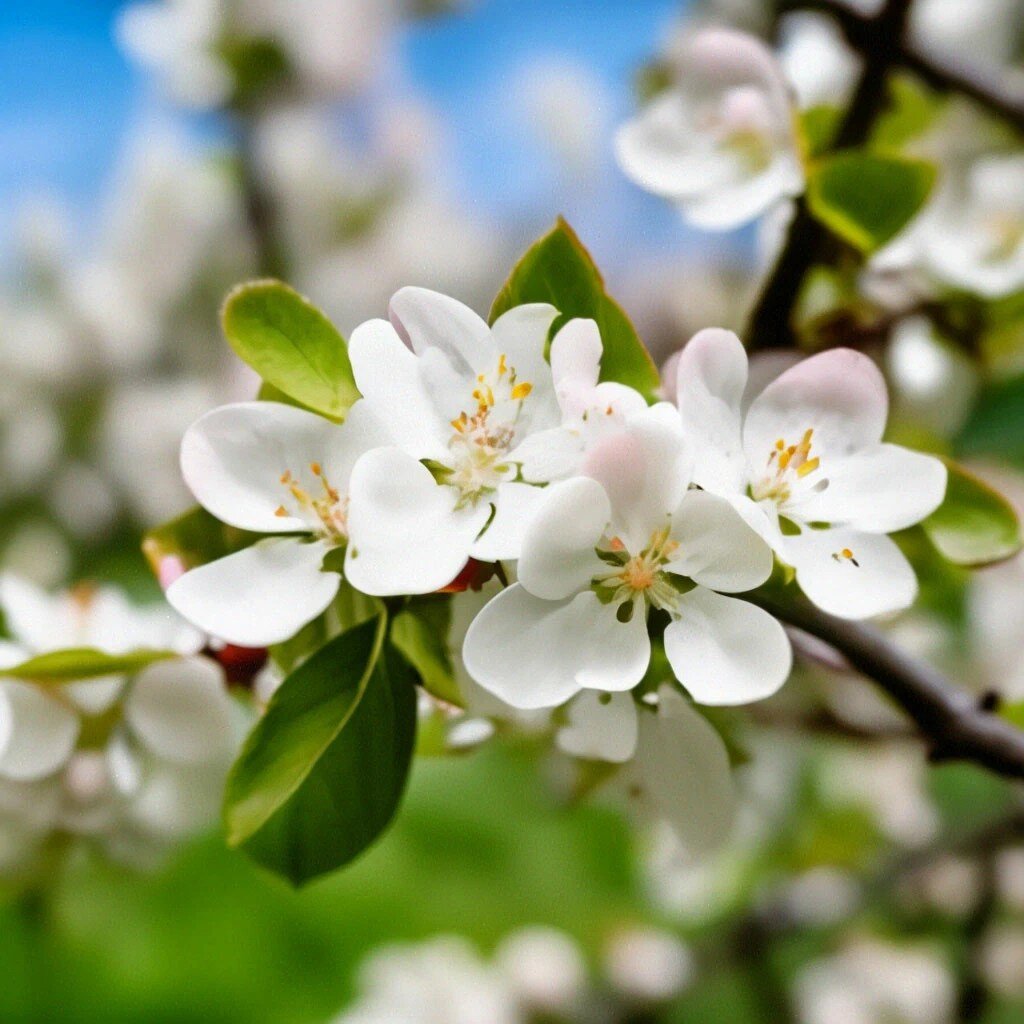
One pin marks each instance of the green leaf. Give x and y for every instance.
(911, 112)
(867, 198)
(321, 775)
(291, 345)
(195, 537)
(996, 426)
(818, 127)
(559, 270)
(974, 525)
(84, 663)
(420, 632)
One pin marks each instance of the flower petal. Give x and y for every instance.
(881, 581)
(533, 653)
(406, 535)
(683, 772)
(558, 557)
(233, 458)
(521, 335)
(35, 618)
(731, 205)
(260, 595)
(389, 379)
(879, 490)
(601, 727)
(839, 394)
(717, 549)
(514, 506)
(40, 732)
(429, 319)
(726, 651)
(710, 378)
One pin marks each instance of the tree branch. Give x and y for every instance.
(957, 728)
(771, 320)
(260, 209)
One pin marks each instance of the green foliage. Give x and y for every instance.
(817, 129)
(419, 632)
(321, 775)
(974, 525)
(195, 537)
(911, 112)
(84, 663)
(996, 426)
(291, 345)
(559, 270)
(867, 199)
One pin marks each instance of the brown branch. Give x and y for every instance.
(771, 320)
(956, 727)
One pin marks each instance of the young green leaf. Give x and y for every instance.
(996, 426)
(84, 663)
(321, 775)
(868, 198)
(420, 633)
(559, 270)
(194, 538)
(974, 525)
(291, 345)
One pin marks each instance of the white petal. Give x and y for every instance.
(558, 556)
(879, 490)
(710, 379)
(388, 377)
(261, 595)
(576, 354)
(405, 534)
(41, 732)
(94, 696)
(601, 727)
(521, 334)
(550, 454)
(684, 773)
(36, 619)
(717, 548)
(533, 653)
(732, 205)
(839, 394)
(645, 470)
(514, 504)
(431, 320)
(181, 711)
(726, 651)
(233, 458)
(882, 581)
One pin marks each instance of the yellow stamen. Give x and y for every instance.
(521, 390)
(808, 467)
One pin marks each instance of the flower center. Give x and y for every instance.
(631, 576)
(326, 513)
(484, 437)
(786, 465)
(740, 125)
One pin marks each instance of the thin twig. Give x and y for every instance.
(956, 727)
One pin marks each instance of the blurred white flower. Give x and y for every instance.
(815, 58)
(721, 142)
(545, 970)
(647, 965)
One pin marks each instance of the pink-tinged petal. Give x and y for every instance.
(726, 651)
(558, 552)
(710, 379)
(533, 653)
(260, 595)
(428, 319)
(38, 733)
(406, 535)
(875, 578)
(180, 710)
(645, 470)
(233, 459)
(389, 377)
(839, 394)
(600, 727)
(879, 490)
(514, 506)
(682, 773)
(717, 549)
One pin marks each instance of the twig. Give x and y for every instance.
(771, 320)
(956, 727)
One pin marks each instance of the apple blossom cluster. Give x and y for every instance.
(618, 528)
(131, 761)
(537, 974)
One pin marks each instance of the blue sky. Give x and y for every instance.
(68, 98)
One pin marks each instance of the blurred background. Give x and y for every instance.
(154, 154)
